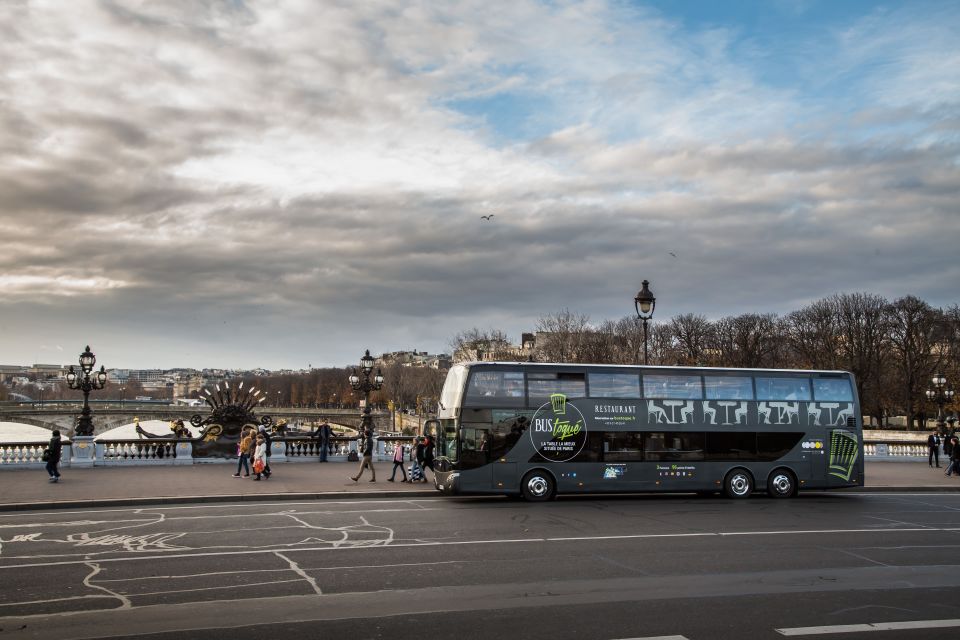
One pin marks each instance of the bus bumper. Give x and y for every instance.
(447, 483)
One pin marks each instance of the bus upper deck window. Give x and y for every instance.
(789, 389)
(832, 390)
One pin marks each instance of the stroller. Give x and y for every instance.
(416, 472)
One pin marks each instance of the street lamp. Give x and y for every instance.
(123, 395)
(363, 384)
(941, 393)
(645, 303)
(86, 383)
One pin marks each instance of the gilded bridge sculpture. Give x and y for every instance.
(232, 417)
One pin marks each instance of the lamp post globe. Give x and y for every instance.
(645, 302)
(86, 383)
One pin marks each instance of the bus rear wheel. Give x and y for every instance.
(781, 484)
(537, 486)
(738, 484)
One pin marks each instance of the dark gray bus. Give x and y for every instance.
(537, 429)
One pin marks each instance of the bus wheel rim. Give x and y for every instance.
(538, 486)
(781, 483)
(739, 484)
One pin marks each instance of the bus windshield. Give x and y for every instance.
(452, 391)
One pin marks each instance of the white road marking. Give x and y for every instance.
(869, 626)
(124, 601)
(361, 544)
(300, 572)
(232, 505)
(658, 638)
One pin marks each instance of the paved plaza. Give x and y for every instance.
(106, 486)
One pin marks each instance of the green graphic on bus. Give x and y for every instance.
(844, 448)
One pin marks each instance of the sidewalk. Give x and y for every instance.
(125, 486)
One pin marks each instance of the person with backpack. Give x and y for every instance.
(52, 456)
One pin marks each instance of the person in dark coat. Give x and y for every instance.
(954, 466)
(324, 433)
(933, 443)
(427, 456)
(54, 449)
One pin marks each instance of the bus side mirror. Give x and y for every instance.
(431, 428)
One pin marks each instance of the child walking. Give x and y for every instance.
(398, 463)
(260, 457)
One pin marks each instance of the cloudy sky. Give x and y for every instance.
(283, 183)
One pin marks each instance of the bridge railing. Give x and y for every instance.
(143, 452)
(302, 449)
(29, 454)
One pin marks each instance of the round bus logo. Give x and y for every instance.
(558, 431)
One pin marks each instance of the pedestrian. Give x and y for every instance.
(325, 433)
(366, 462)
(419, 452)
(947, 446)
(428, 457)
(243, 456)
(266, 461)
(398, 462)
(933, 443)
(260, 456)
(52, 456)
(954, 465)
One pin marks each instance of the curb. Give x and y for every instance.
(342, 495)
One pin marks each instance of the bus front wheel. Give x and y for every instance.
(781, 484)
(739, 484)
(537, 486)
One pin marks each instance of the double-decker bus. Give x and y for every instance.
(538, 429)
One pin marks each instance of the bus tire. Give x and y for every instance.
(538, 486)
(782, 484)
(738, 484)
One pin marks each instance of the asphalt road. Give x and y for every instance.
(604, 568)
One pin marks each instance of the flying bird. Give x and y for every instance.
(672, 253)
(486, 217)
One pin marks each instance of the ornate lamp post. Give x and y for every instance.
(364, 384)
(86, 382)
(645, 303)
(941, 393)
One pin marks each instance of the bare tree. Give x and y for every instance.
(561, 337)
(481, 344)
(912, 336)
(750, 340)
(813, 335)
(692, 334)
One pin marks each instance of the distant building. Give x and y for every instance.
(415, 359)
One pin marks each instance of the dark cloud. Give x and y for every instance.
(247, 184)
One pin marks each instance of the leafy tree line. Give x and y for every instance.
(893, 348)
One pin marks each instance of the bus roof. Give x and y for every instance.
(662, 368)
